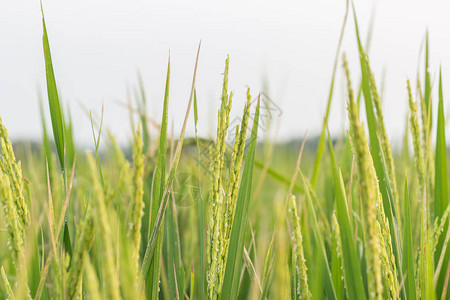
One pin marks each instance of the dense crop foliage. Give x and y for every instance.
(175, 218)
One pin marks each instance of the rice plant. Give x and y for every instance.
(232, 216)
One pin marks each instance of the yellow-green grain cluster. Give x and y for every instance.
(216, 235)
(92, 284)
(234, 171)
(103, 228)
(11, 168)
(8, 289)
(83, 243)
(12, 200)
(137, 204)
(426, 138)
(388, 264)
(224, 189)
(299, 262)
(417, 143)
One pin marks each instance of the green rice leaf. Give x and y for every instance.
(408, 249)
(440, 190)
(268, 267)
(354, 284)
(66, 239)
(157, 229)
(201, 210)
(175, 269)
(329, 287)
(152, 281)
(46, 144)
(321, 145)
(440, 187)
(53, 100)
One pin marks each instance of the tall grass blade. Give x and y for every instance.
(53, 100)
(69, 140)
(321, 145)
(354, 284)
(157, 228)
(440, 186)
(336, 259)
(85, 239)
(175, 269)
(152, 282)
(329, 287)
(268, 267)
(47, 154)
(408, 249)
(427, 89)
(201, 210)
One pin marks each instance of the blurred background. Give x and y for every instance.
(284, 48)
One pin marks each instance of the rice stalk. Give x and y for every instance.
(12, 220)
(339, 280)
(137, 205)
(369, 196)
(415, 132)
(388, 267)
(300, 282)
(11, 168)
(92, 284)
(103, 229)
(9, 292)
(235, 169)
(384, 141)
(83, 243)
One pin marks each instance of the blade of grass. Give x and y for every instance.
(69, 140)
(280, 177)
(191, 289)
(251, 270)
(408, 249)
(352, 264)
(440, 186)
(427, 89)
(46, 143)
(321, 145)
(151, 245)
(59, 227)
(173, 258)
(201, 209)
(53, 99)
(268, 267)
(97, 145)
(152, 282)
(142, 106)
(336, 259)
(330, 290)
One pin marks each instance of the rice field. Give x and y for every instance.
(176, 217)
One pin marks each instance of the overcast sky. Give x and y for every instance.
(99, 46)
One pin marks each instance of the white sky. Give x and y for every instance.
(98, 46)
